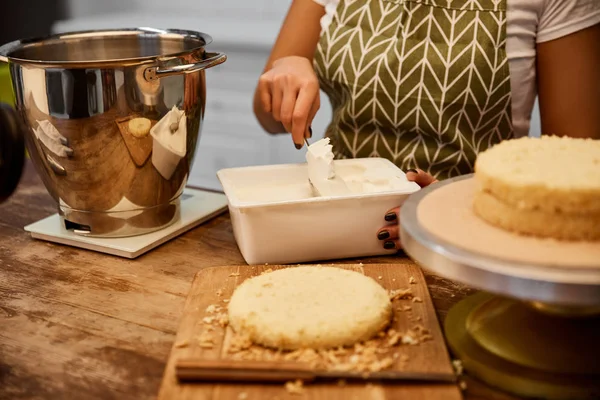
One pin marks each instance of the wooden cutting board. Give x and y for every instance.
(214, 286)
(139, 148)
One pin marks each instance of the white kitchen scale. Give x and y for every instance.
(196, 207)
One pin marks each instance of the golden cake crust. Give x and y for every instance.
(537, 222)
(551, 174)
(309, 307)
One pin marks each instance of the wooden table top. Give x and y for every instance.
(76, 324)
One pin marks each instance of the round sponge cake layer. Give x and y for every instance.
(536, 222)
(552, 174)
(309, 307)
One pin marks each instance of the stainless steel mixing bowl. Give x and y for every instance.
(77, 93)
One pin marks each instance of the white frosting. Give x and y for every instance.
(320, 160)
(351, 177)
(377, 179)
(321, 170)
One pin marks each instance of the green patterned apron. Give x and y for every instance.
(423, 83)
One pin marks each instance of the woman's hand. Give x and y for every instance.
(290, 92)
(389, 235)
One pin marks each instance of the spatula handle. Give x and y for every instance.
(249, 371)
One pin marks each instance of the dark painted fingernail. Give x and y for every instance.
(383, 235)
(298, 146)
(389, 245)
(412, 170)
(310, 131)
(391, 216)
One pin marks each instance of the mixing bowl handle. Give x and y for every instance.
(154, 73)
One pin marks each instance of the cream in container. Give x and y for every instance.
(277, 217)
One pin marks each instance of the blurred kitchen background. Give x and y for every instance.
(244, 29)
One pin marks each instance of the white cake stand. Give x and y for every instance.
(534, 329)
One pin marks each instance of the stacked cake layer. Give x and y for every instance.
(546, 187)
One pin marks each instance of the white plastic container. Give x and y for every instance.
(292, 227)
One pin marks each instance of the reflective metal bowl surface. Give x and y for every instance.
(77, 93)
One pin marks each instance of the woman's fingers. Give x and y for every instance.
(276, 101)
(313, 112)
(289, 90)
(392, 245)
(389, 235)
(392, 215)
(390, 232)
(264, 88)
(302, 110)
(420, 177)
(288, 104)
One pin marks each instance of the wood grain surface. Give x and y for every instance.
(213, 286)
(75, 324)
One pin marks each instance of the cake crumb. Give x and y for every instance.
(234, 274)
(242, 396)
(393, 279)
(400, 294)
(462, 385)
(219, 292)
(406, 308)
(408, 339)
(208, 320)
(225, 300)
(380, 277)
(417, 299)
(239, 343)
(294, 387)
(182, 344)
(452, 295)
(393, 337)
(223, 320)
(412, 280)
(458, 367)
(212, 308)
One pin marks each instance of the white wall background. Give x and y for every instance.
(245, 30)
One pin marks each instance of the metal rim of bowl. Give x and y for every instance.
(496, 275)
(11, 47)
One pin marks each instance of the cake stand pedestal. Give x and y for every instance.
(534, 329)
